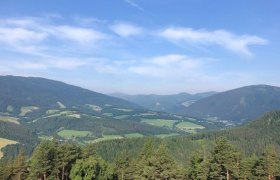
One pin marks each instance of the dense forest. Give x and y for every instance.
(54, 160)
(247, 152)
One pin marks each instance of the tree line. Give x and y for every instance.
(55, 160)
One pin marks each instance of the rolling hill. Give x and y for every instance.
(26, 95)
(237, 105)
(47, 109)
(167, 103)
(250, 139)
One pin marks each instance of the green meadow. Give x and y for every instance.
(67, 133)
(160, 122)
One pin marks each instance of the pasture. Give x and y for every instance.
(5, 142)
(68, 134)
(9, 119)
(160, 122)
(189, 126)
(105, 138)
(166, 135)
(27, 109)
(123, 109)
(133, 135)
(94, 107)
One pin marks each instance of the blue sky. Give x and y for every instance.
(143, 46)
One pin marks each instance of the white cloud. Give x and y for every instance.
(126, 29)
(133, 4)
(228, 40)
(78, 34)
(167, 66)
(42, 64)
(24, 32)
(16, 35)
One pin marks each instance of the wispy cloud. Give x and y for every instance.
(126, 29)
(77, 34)
(166, 66)
(133, 4)
(42, 64)
(20, 35)
(236, 43)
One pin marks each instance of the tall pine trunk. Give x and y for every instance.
(227, 175)
(63, 172)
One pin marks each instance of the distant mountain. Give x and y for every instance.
(42, 108)
(237, 105)
(18, 95)
(167, 103)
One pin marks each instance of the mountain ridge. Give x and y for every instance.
(239, 105)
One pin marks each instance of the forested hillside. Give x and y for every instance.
(238, 105)
(167, 103)
(50, 109)
(43, 94)
(247, 152)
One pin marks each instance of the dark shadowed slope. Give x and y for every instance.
(238, 105)
(18, 92)
(167, 103)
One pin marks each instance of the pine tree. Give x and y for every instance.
(66, 155)
(247, 166)
(43, 160)
(137, 169)
(93, 167)
(268, 165)
(19, 165)
(199, 166)
(122, 165)
(225, 163)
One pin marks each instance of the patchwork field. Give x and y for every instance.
(94, 107)
(67, 114)
(52, 111)
(27, 109)
(105, 138)
(159, 122)
(167, 135)
(121, 116)
(5, 142)
(9, 119)
(123, 109)
(62, 106)
(189, 127)
(133, 135)
(67, 133)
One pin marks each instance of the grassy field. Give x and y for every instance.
(9, 119)
(105, 138)
(62, 106)
(107, 114)
(52, 111)
(123, 109)
(10, 108)
(121, 116)
(46, 137)
(27, 109)
(67, 133)
(133, 135)
(147, 114)
(159, 122)
(166, 135)
(5, 142)
(189, 127)
(95, 107)
(67, 114)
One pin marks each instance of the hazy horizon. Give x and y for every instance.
(143, 46)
